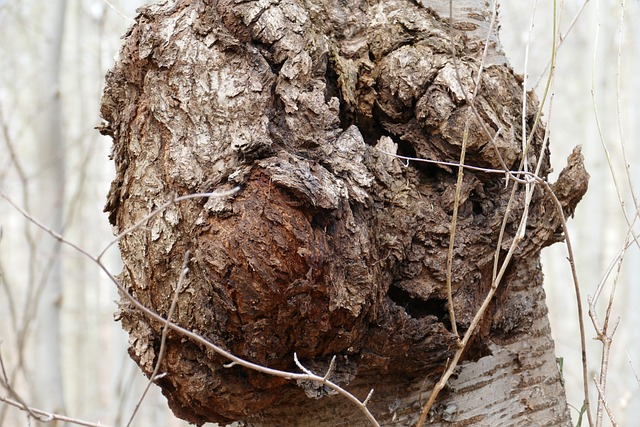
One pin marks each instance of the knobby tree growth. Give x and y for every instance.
(349, 230)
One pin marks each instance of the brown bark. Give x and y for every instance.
(332, 246)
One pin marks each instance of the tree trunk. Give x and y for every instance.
(49, 391)
(333, 245)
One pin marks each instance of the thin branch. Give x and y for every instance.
(603, 140)
(117, 11)
(495, 282)
(465, 139)
(576, 287)
(635, 374)
(602, 332)
(5, 382)
(332, 366)
(161, 208)
(625, 158)
(604, 401)
(310, 376)
(45, 417)
(366, 400)
(456, 201)
(562, 38)
(22, 326)
(511, 174)
(442, 382)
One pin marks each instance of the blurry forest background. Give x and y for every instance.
(60, 349)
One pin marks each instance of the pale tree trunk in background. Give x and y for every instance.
(48, 206)
(633, 136)
(80, 345)
(330, 246)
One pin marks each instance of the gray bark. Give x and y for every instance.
(332, 246)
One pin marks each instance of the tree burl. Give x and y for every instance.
(332, 245)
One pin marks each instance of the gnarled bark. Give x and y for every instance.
(332, 246)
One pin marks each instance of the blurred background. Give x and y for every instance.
(60, 348)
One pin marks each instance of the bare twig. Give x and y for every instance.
(310, 376)
(118, 12)
(22, 319)
(442, 382)
(576, 287)
(625, 158)
(5, 382)
(562, 38)
(635, 374)
(332, 366)
(602, 331)
(518, 176)
(366, 400)
(44, 416)
(161, 208)
(463, 343)
(603, 140)
(465, 137)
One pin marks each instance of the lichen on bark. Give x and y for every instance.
(332, 246)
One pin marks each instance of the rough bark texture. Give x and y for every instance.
(331, 246)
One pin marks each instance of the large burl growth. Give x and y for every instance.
(331, 245)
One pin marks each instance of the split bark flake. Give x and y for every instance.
(332, 246)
